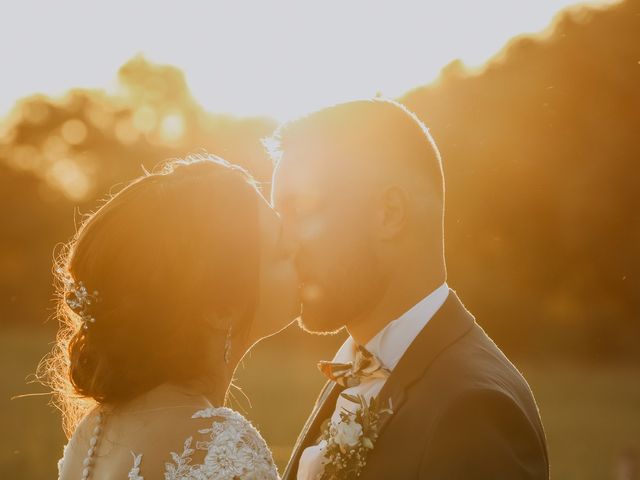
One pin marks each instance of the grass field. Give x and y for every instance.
(591, 412)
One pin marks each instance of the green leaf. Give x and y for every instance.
(351, 398)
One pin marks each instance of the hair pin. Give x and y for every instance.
(78, 298)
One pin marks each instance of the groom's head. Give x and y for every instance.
(360, 189)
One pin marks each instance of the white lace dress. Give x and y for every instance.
(234, 450)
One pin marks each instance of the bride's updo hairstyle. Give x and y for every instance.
(169, 257)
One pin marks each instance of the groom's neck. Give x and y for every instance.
(403, 291)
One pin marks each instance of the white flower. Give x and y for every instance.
(347, 434)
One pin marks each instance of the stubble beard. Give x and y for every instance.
(343, 298)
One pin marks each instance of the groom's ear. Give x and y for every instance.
(394, 204)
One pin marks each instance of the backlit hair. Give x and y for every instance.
(371, 130)
(168, 254)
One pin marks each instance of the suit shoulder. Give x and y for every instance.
(474, 363)
(491, 433)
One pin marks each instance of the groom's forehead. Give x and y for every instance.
(297, 178)
(318, 162)
(294, 176)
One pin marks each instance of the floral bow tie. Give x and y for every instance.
(365, 365)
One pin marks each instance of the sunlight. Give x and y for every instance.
(172, 127)
(74, 131)
(144, 119)
(67, 175)
(278, 59)
(25, 157)
(135, 195)
(126, 132)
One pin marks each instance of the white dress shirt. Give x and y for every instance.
(389, 345)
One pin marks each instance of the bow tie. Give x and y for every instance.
(365, 365)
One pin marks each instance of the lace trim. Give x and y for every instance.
(234, 450)
(134, 473)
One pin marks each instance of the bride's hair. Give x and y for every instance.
(169, 257)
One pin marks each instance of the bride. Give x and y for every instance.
(162, 292)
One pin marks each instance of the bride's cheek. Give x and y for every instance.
(285, 284)
(271, 289)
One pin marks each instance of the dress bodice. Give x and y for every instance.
(232, 448)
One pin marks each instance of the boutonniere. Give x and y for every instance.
(352, 438)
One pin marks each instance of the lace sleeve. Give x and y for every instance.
(233, 449)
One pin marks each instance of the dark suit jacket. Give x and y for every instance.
(462, 411)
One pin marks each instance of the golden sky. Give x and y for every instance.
(278, 58)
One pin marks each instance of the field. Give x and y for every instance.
(591, 412)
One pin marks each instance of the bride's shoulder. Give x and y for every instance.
(223, 429)
(219, 413)
(81, 445)
(223, 425)
(76, 448)
(179, 443)
(224, 415)
(213, 442)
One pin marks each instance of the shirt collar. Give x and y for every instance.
(394, 339)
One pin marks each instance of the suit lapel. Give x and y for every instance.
(449, 323)
(324, 407)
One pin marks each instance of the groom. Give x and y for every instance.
(360, 190)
